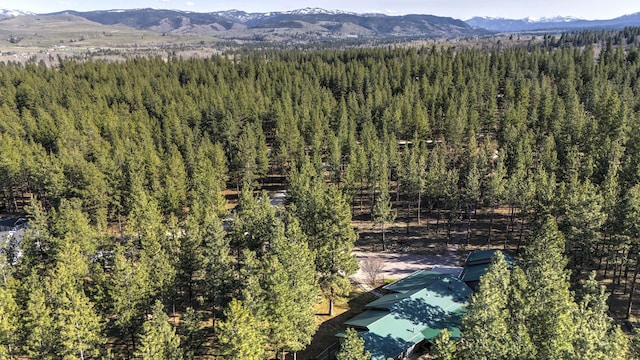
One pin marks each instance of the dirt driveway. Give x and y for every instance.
(398, 264)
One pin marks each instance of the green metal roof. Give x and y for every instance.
(407, 314)
(480, 256)
(451, 322)
(366, 319)
(485, 256)
(416, 281)
(477, 264)
(473, 272)
(386, 302)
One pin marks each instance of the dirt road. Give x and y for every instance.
(398, 265)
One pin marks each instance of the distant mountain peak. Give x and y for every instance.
(315, 11)
(309, 24)
(552, 23)
(555, 19)
(528, 19)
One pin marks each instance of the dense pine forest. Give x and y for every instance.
(127, 171)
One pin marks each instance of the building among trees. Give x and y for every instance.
(477, 263)
(414, 311)
(418, 307)
(12, 224)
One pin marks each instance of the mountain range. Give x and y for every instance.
(308, 24)
(547, 24)
(312, 22)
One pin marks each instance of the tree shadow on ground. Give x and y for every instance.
(325, 336)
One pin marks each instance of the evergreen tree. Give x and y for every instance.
(597, 336)
(519, 307)
(148, 229)
(79, 326)
(240, 335)
(630, 211)
(39, 325)
(352, 347)
(333, 245)
(252, 226)
(158, 339)
(209, 177)
(472, 184)
(175, 183)
(217, 280)
(549, 322)
(292, 288)
(444, 348)
(128, 289)
(486, 323)
(495, 191)
(9, 321)
(413, 172)
(382, 211)
(191, 335)
(325, 219)
(581, 225)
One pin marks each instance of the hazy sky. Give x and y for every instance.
(460, 9)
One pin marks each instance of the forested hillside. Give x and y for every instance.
(121, 168)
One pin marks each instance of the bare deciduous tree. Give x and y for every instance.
(372, 267)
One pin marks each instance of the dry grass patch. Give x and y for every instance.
(329, 326)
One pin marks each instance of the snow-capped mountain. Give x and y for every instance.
(556, 19)
(312, 21)
(551, 23)
(244, 17)
(317, 11)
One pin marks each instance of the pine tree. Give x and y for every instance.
(291, 287)
(245, 164)
(444, 348)
(147, 227)
(630, 211)
(128, 289)
(333, 246)
(472, 182)
(209, 177)
(79, 326)
(191, 335)
(550, 322)
(519, 306)
(352, 347)
(240, 335)
(252, 225)
(39, 323)
(597, 336)
(158, 340)
(485, 325)
(581, 225)
(495, 191)
(382, 210)
(325, 219)
(9, 320)
(413, 173)
(217, 281)
(175, 183)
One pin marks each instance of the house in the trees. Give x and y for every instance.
(414, 311)
(477, 263)
(12, 224)
(11, 233)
